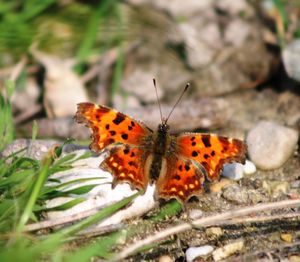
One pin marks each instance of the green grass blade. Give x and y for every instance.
(170, 209)
(103, 213)
(33, 196)
(92, 28)
(100, 248)
(64, 206)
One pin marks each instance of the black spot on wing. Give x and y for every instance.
(206, 140)
(124, 136)
(112, 132)
(126, 151)
(194, 154)
(177, 177)
(119, 118)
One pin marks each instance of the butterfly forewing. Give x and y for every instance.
(211, 151)
(110, 126)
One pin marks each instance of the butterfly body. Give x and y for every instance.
(178, 165)
(159, 151)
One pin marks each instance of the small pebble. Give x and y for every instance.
(219, 185)
(291, 59)
(233, 171)
(227, 250)
(240, 195)
(249, 168)
(236, 171)
(195, 214)
(165, 259)
(214, 231)
(270, 145)
(286, 237)
(194, 252)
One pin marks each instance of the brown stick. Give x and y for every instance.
(214, 219)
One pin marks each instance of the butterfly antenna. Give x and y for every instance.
(178, 100)
(154, 83)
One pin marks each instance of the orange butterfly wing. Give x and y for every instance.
(181, 180)
(211, 151)
(110, 126)
(127, 165)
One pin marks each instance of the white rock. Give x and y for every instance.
(236, 171)
(291, 59)
(194, 252)
(249, 168)
(270, 145)
(100, 196)
(195, 214)
(227, 250)
(233, 171)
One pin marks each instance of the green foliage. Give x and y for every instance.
(6, 118)
(25, 185)
(72, 29)
(170, 209)
(282, 23)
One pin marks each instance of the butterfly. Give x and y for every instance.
(178, 165)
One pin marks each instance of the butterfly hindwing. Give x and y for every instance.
(181, 180)
(127, 164)
(109, 126)
(211, 151)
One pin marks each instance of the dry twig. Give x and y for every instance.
(210, 220)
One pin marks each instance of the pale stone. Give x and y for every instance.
(227, 250)
(270, 144)
(194, 252)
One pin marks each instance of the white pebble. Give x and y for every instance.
(291, 56)
(233, 171)
(249, 168)
(194, 252)
(227, 250)
(195, 214)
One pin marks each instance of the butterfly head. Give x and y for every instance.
(163, 127)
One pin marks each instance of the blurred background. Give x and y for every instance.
(56, 53)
